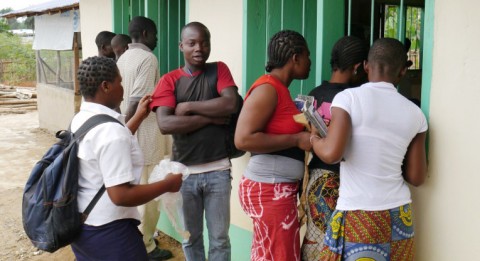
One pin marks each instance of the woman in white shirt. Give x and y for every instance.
(378, 136)
(110, 155)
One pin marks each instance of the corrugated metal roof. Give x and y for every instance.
(44, 8)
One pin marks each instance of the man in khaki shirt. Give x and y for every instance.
(138, 67)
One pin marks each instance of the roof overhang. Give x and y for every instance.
(52, 7)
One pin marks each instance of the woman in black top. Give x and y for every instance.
(347, 58)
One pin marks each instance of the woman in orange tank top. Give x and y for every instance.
(269, 186)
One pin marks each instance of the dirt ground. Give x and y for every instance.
(22, 144)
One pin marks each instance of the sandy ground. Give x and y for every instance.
(22, 144)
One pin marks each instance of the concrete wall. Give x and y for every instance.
(51, 101)
(95, 16)
(447, 213)
(226, 28)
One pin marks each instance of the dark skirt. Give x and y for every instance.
(117, 240)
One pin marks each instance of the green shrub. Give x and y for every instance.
(17, 60)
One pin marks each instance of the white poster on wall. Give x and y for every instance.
(55, 32)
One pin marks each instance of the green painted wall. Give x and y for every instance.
(168, 15)
(427, 59)
(121, 16)
(240, 239)
(330, 28)
(264, 18)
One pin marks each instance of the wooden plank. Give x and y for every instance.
(31, 101)
(76, 61)
(59, 68)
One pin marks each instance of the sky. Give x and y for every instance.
(19, 4)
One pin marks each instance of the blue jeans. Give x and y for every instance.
(207, 192)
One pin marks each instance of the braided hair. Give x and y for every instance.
(389, 54)
(93, 71)
(347, 52)
(282, 46)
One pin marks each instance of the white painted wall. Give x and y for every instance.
(224, 19)
(52, 99)
(96, 16)
(447, 210)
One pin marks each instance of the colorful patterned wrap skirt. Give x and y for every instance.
(370, 235)
(321, 199)
(273, 209)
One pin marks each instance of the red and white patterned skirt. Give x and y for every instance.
(273, 209)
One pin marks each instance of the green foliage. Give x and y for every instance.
(4, 27)
(414, 26)
(15, 23)
(413, 29)
(17, 60)
(5, 10)
(29, 23)
(391, 24)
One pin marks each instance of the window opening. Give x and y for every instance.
(400, 19)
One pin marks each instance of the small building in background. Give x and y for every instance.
(57, 46)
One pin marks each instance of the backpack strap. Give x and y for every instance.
(211, 72)
(93, 122)
(79, 134)
(92, 204)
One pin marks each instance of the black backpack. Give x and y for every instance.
(49, 209)
(211, 75)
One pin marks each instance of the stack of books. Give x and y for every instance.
(306, 104)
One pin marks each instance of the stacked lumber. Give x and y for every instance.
(17, 99)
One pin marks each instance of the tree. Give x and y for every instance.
(15, 23)
(29, 23)
(4, 26)
(6, 10)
